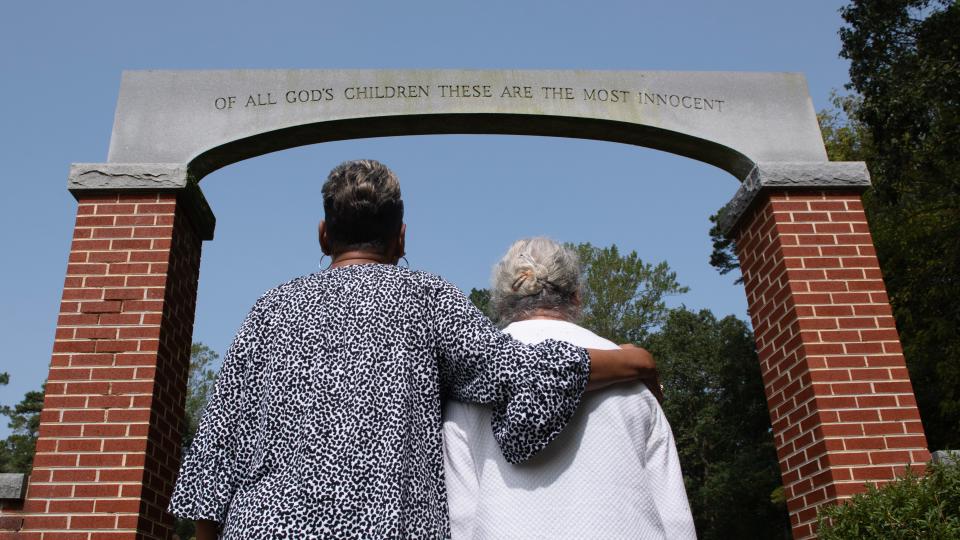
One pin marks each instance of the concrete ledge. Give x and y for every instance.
(170, 177)
(13, 486)
(127, 176)
(792, 175)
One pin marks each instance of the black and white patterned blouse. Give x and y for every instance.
(325, 421)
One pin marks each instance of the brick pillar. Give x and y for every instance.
(841, 403)
(109, 444)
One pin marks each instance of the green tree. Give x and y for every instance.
(481, 299)
(905, 67)
(200, 381)
(623, 297)
(715, 402)
(23, 419)
(844, 136)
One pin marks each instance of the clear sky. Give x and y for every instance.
(467, 197)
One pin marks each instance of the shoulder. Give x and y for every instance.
(537, 330)
(439, 292)
(295, 287)
(272, 296)
(427, 279)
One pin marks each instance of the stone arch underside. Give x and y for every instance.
(655, 138)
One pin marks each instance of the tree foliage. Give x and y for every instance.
(200, 381)
(481, 299)
(925, 506)
(23, 419)
(623, 297)
(715, 402)
(905, 122)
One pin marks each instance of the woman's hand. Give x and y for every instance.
(628, 363)
(653, 384)
(652, 380)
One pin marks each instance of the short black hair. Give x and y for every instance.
(362, 205)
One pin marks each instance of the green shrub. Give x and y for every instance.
(912, 507)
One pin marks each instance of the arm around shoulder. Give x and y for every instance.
(628, 363)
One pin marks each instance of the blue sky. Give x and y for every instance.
(467, 197)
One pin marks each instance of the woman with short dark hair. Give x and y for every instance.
(325, 421)
(612, 473)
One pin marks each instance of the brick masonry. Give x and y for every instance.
(841, 402)
(109, 444)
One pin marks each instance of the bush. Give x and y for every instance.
(912, 507)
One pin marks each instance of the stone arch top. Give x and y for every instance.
(209, 119)
(172, 128)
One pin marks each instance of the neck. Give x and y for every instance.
(348, 258)
(546, 314)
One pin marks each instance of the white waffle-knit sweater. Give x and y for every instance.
(613, 473)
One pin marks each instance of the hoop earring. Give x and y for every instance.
(404, 257)
(320, 264)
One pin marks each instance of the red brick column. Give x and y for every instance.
(109, 444)
(841, 403)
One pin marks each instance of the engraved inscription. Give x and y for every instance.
(602, 94)
(386, 92)
(222, 103)
(698, 103)
(525, 92)
(308, 96)
(260, 100)
(465, 90)
(553, 92)
(472, 90)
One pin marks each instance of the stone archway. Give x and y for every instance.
(841, 403)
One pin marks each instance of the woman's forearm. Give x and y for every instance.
(628, 363)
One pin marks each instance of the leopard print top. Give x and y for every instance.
(325, 419)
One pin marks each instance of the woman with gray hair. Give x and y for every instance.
(612, 473)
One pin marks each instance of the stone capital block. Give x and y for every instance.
(142, 177)
(12, 486)
(845, 175)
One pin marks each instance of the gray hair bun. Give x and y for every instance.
(535, 273)
(530, 277)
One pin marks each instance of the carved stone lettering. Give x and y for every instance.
(603, 94)
(698, 103)
(474, 90)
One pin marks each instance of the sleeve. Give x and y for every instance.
(212, 468)
(532, 390)
(662, 465)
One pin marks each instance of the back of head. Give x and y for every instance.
(536, 274)
(362, 205)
